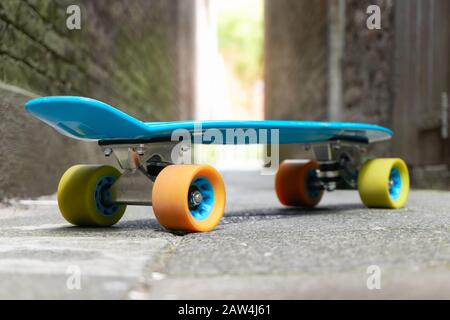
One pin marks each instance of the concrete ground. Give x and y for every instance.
(260, 250)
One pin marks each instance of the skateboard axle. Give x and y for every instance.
(195, 198)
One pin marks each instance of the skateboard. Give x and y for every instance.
(154, 158)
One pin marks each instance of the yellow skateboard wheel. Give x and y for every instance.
(384, 183)
(189, 198)
(84, 196)
(294, 183)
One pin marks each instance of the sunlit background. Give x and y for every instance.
(229, 75)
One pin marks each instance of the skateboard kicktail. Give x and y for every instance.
(191, 197)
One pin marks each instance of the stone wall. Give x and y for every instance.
(131, 54)
(368, 67)
(297, 52)
(295, 61)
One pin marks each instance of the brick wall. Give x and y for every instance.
(127, 53)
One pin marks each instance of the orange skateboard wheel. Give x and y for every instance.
(294, 183)
(189, 198)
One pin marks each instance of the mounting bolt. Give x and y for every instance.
(140, 150)
(337, 145)
(108, 152)
(196, 198)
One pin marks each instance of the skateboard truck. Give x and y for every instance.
(141, 164)
(339, 163)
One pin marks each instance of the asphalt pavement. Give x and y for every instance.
(260, 250)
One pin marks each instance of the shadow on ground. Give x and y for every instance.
(282, 213)
(235, 217)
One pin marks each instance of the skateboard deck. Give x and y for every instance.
(158, 171)
(89, 119)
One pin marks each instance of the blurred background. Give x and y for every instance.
(226, 59)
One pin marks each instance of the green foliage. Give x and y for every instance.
(240, 27)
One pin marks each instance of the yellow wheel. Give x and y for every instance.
(384, 183)
(84, 196)
(189, 198)
(296, 183)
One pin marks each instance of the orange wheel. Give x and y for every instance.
(294, 183)
(189, 198)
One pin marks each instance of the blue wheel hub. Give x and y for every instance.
(311, 179)
(103, 198)
(200, 198)
(395, 184)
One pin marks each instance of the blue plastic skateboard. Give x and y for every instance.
(84, 118)
(154, 158)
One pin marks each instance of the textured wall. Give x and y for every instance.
(297, 51)
(295, 60)
(368, 67)
(127, 53)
